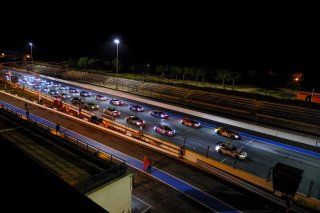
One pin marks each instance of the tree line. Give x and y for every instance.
(184, 73)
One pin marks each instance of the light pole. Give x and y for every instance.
(117, 41)
(31, 56)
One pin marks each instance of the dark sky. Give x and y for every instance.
(197, 34)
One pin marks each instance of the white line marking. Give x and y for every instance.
(5, 130)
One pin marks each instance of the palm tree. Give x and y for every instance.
(176, 71)
(92, 62)
(223, 75)
(196, 73)
(185, 71)
(114, 63)
(201, 72)
(107, 63)
(83, 62)
(235, 76)
(163, 69)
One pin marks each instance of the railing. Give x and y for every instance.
(68, 139)
(102, 177)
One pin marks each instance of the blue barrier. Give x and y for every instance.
(285, 146)
(267, 141)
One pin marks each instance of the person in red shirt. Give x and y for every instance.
(149, 163)
(145, 159)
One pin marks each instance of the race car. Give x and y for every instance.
(116, 102)
(228, 133)
(85, 94)
(76, 101)
(136, 108)
(101, 98)
(90, 106)
(190, 122)
(159, 114)
(111, 111)
(230, 150)
(165, 130)
(65, 95)
(134, 120)
(73, 90)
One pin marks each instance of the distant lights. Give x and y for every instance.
(297, 77)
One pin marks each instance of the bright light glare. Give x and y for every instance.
(117, 41)
(30, 44)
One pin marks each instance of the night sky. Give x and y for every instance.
(241, 36)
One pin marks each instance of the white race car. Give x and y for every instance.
(230, 150)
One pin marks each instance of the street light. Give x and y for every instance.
(31, 55)
(117, 41)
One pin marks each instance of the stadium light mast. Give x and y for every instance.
(117, 41)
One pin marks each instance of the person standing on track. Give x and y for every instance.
(149, 163)
(145, 159)
(57, 128)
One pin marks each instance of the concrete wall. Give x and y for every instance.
(114, 196)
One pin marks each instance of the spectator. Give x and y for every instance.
(288, 203)
(57, 128)
(27, 114)
(149, 163)
(145, 159)
(182, 151)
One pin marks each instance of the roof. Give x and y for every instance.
(35, 189)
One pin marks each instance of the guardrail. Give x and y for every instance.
(103, 177)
